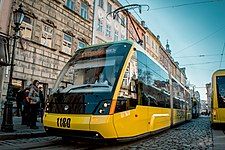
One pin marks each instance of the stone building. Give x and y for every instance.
(5, 12)
(105, 27)
(209, 94)
(132, 25)
(51, 31)
(152, 44)
(171, 66)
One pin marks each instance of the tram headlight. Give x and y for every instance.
(106, 104)
(103, 107)
(101, 111)
(47, 107)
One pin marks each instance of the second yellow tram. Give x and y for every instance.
(218, 98)
(114, 91)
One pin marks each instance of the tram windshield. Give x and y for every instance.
(85, 84)
(93, 69)
(221, 91)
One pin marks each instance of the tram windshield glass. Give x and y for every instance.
(95, 67)
(85, 84)
(221, 91)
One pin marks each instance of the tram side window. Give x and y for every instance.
(221, 91)
(167, 100)
(176, 103)
(153, 83)
(127, 98)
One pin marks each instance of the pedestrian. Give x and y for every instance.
(34, 99)
(26, 107)
(19, 102)
(42, 103)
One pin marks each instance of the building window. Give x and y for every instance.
(0, 5)
(81, 45)
(122, 37)
(26, 27)
(108, 30)
(101, 3)
(131, 31)
(84, 10)
(46, 38)
(67, 44)
(117, 17)
(122, 21)
(109, 8)
(70, 4)
(100, 25)
(116, 35)
(148, 40)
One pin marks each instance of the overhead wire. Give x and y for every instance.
(203, 63)
(201, 55)
(186, 4)
(221, 58)
(135, 11)
(195, 43)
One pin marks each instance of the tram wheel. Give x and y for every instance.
(66, 139)
(213, 126)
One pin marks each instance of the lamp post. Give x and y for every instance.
(7, 123)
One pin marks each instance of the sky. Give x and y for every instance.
(195, 30)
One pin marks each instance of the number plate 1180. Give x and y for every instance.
(63, 122)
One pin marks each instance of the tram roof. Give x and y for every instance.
(141, 49)
(219, 72)
(115, 42)
(136, 45)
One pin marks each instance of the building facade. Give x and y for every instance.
(52, 30)
(135, 30)
(171, 66)
(106, 28)
(209, 94)
(152, 44)
(50, 33)
(5, 13)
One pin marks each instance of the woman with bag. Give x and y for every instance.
(34, 99)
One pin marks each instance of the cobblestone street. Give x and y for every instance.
(195, 134)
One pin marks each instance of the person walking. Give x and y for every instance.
(26, 107)
(19, 102)
(42, 103)
(34, 99)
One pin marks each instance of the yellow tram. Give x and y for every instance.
(218, 98)
(114, 91)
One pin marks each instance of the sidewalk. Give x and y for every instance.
(22, 131)
(218, 140)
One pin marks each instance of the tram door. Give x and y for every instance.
(130, 118)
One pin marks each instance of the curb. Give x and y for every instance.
(13, 136)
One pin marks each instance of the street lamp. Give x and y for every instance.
(7, 123)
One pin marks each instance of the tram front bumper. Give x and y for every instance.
(80, 126)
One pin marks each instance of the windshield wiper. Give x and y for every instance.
(79, 87)
(86, 86)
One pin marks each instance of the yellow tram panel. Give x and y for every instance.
(104, 125)
(159, 118)
(220, 115)
(188, 116)
(131, 122)
(178, 116)
(78, 122)
(218, 98)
